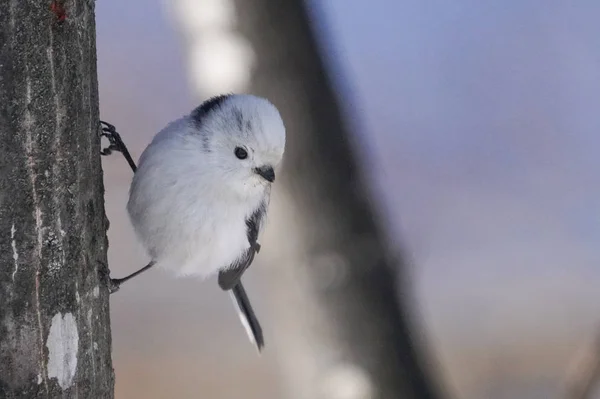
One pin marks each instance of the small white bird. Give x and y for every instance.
(200, 194)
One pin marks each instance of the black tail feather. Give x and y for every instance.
(247, 316)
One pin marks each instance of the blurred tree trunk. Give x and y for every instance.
(584, 373)
(343, 333)
(54, 313)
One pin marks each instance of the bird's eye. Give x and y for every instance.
(240, 153)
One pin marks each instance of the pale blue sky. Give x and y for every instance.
(480, 124)
(482, 118)
(485, 118)
(482, 121)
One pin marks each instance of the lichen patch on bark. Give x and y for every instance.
(62, 344)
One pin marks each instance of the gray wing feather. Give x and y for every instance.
(229, 277)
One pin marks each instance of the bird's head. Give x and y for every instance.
(243, 138)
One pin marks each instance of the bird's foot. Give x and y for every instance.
(112, 284)
(115, 143)
(110, 132)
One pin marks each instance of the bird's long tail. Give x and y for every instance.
(247, 316)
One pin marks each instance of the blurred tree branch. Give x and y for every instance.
(583, 377)
(54, 315)
(343, 332)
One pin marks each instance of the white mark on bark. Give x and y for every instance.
(40, 327)
(96, 292)
(30, 165)
(14, 249)
(50, 54)
(28, 123)
(12, 11)
(62, 344)
(30, 168)
(57, 239)
(38, 226)
(89, 321)
(57, 259)
(347, 381)
(39, 380)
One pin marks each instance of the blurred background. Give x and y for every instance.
(476, 125)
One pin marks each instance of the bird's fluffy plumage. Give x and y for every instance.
(191, 197)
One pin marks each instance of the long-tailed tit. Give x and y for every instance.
(200, 194)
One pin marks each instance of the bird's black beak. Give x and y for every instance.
(266, 172)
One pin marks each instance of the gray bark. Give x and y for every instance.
(343, 332)
(54, 314)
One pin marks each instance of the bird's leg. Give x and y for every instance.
(118, 281)
(115, 283)
(116, 144)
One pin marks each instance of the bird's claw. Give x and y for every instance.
(110, 132)
(115, 144)
(113, 285)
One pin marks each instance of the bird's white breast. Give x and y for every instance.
(208, 241)
(187, 220)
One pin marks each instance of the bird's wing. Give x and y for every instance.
(230, 276)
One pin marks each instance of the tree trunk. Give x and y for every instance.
(343, 333)
(54, 314)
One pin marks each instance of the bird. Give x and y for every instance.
(199, 196)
